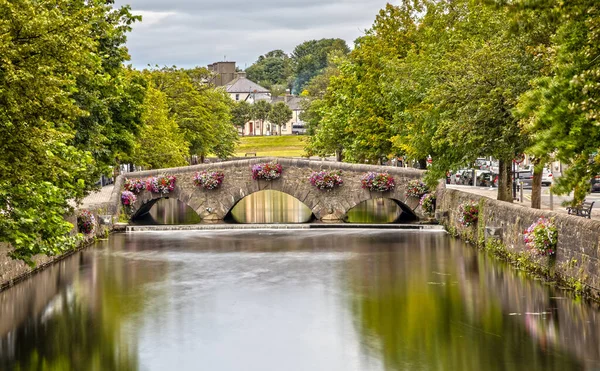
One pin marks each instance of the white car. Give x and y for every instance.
(547, 178)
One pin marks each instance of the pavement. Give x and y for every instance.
(526, 202)
(97, 198)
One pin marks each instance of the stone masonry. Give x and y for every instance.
(238, 183)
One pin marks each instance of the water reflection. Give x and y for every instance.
(168, 211)
(270, 207)
(376, 210)
(295, 300)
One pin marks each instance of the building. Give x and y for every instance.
(223, 72)
(240, 88)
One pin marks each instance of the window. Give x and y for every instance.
(237, 97)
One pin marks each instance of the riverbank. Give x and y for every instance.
(500, 228)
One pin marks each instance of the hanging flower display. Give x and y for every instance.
(127, 198)
(416, 188)
(134, 185)
(468, 213)
(326, 180)
(541, 237)
(378, 182)
(209, 179)
(162, 184)
(266, 171)
(427, 202)
(86, 222)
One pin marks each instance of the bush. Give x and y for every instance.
(209, 180)
(541, 237)
(469, 213)
(266, 171)
(378, 182)
(326, 180)
(162, 184)
(416, 188)
(86, 222)
(427, 202)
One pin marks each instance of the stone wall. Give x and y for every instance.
(13, 271)
(238, 183)
(576, 262)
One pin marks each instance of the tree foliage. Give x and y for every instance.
(310, 58)
(279, 115)
(272, 70)
(201, 111)
(160, 143)
(50, 50)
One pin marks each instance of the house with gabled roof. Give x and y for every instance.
(243, 89)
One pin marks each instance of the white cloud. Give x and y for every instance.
(191, 33)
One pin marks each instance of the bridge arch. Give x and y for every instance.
(310, 216)
(238, 183)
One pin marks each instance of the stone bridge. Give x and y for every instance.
(238, 183)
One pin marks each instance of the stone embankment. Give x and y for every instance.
(500, 229)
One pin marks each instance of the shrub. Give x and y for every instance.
(86, 222)
(469, 213)
(378, 182)
(427, 202)
(127, 198)
(134, 185)
(541, 237)
(326, 180)
(162, 184)
(209, 180)
(416, 188)
(266, 171)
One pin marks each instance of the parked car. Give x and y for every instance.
(486, 178)
(524, 177)
(547, 178)
(596, 183)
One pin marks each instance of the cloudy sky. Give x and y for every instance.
(189, 33)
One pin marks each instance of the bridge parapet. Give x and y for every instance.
(238, 183)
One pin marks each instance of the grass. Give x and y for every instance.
(276, 146)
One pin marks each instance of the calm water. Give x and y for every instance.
(266, 207)
(291, 300)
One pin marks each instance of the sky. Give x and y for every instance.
(188, 33)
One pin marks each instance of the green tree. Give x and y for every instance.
(260, 111)
(271, 69)
(46, 48)
(310, 58)
(241, 113)
(279, 115)
(561, 110)
(161, 143)
(112, 96)
(201, 111)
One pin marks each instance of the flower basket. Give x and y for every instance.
(134, 185)
(209, 179)
(541, 237)
(326, 180)
(469, 213)
(162, 184)
(416, 188)
(378, 182)
(86, 222)
(127, 198)
(427, 203)
(266, 171)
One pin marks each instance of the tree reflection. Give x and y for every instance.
(417, 313)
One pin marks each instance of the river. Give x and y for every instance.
(340, 299)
